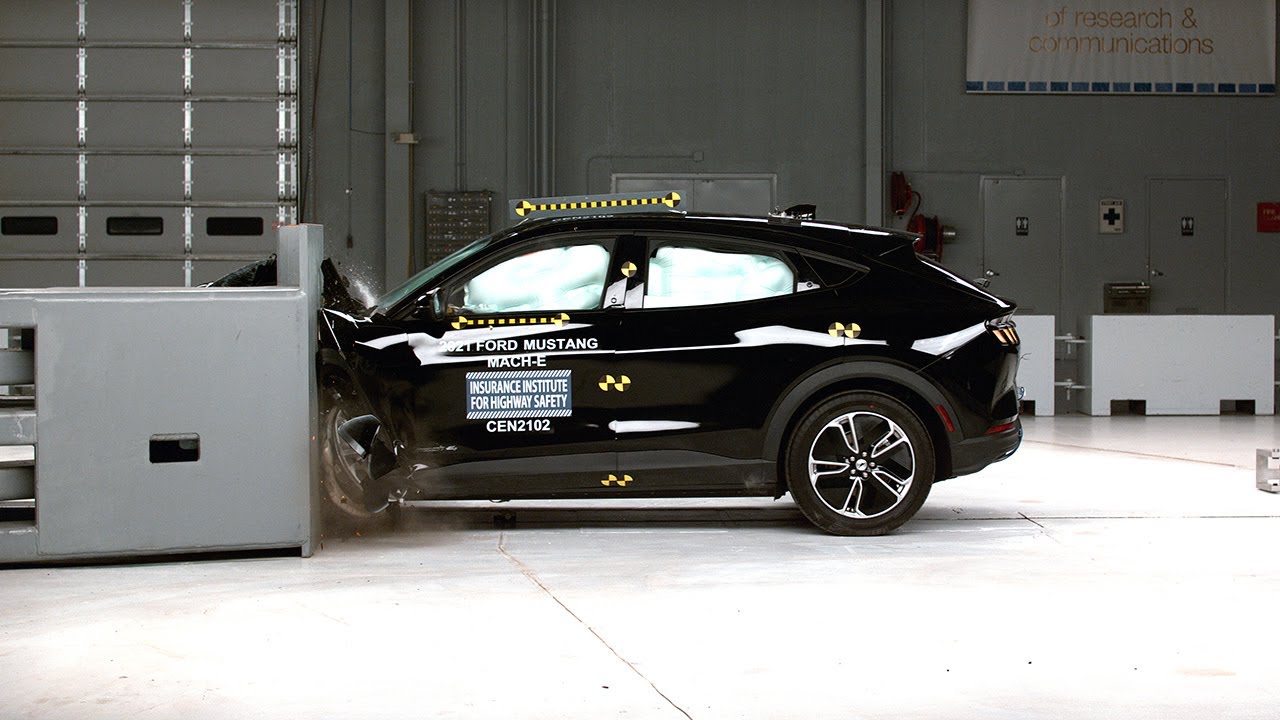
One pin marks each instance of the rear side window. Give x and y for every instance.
(829, 273)
(683, 275)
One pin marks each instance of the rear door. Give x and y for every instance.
(715, 329)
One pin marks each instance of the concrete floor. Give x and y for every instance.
(1119, 568)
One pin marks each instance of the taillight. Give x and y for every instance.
(1005, 331)
(997, 429)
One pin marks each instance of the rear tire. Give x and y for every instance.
(860, 463)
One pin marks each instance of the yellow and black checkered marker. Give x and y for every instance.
(620, 383)
(615, 480)
(628, 269)
(462, 321)
(849, 330)
(579, 205)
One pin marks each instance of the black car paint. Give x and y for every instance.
(718, 386)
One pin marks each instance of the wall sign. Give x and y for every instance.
(1111, 217)
(1269, 217)
(1136, 47)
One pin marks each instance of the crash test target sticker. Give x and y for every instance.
(519, 394)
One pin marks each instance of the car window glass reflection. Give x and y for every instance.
(683, 276)
(561, 278)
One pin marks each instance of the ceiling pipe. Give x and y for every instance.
(543, 61)
(460, 94)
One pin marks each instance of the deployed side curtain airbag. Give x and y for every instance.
(682, 276)
(564, 278)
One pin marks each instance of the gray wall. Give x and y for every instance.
(347, 131)
(1104, 147)
(724, 86)
(718, 86)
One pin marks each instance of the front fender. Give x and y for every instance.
(336, 328)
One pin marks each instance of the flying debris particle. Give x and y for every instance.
(360, 284)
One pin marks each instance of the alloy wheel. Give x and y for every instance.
(861, 464)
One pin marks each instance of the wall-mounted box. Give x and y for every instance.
(1269, 217)
(1126, 298)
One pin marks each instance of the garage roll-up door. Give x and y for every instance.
(144, 142)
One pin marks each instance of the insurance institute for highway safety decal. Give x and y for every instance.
(519, 394)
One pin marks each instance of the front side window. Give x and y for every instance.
(558, 278)
(433, 273)
(681, 276)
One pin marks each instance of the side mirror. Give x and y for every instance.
(437, 304)
(430, 306)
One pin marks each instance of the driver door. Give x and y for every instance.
(498, 393)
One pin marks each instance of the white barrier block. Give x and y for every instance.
(1035, 361)
(1269, 470)
(1180, 364)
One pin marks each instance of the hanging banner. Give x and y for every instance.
(1141, 47)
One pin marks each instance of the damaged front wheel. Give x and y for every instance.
(345, 471)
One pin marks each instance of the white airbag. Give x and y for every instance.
(567, 278)
(688, 276)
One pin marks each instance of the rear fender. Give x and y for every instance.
(813, 387)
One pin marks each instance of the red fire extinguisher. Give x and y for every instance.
(933, 234)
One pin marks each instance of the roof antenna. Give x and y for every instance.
(803, 211)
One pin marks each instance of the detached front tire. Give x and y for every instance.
(860, 463)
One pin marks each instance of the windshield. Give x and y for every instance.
(432, 273)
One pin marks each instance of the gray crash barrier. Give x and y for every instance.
(165, 420)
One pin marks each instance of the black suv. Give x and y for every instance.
(664, 354)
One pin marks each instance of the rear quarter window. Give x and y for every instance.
(830, 273)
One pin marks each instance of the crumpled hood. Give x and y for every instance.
(335, 289)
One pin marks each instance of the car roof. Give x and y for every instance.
(852, 241)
